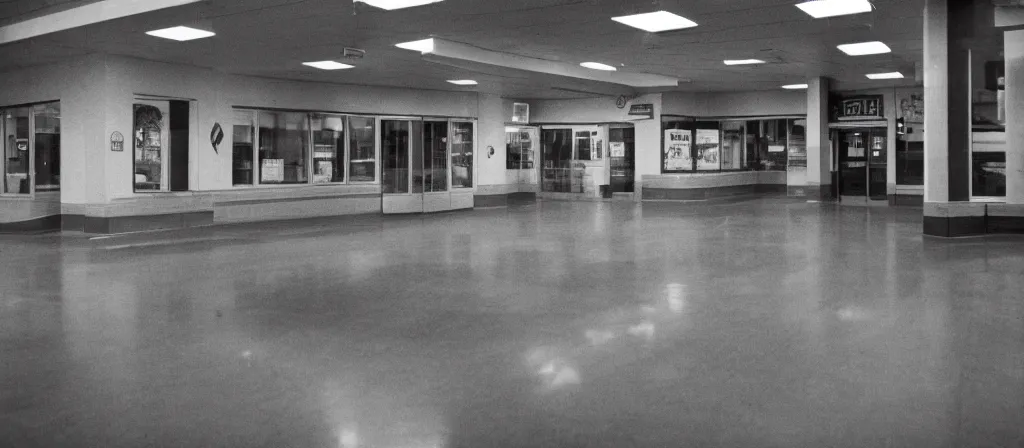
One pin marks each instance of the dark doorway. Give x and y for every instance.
(622, 155)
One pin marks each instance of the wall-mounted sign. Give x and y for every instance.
(641, 111)
(216, 136)
(520, 113)
(862, 108)
(116, 142)
(623, 100)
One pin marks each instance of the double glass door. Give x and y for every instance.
(427, 165)
(862, 157)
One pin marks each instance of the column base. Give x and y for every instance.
(955, 219)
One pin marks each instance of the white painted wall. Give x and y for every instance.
(491, 169)
(736, 104)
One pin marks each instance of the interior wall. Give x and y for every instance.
(216, 93)
(77, 84)
(736, 104)
(491, 134)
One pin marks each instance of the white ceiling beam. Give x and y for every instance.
(92, 13)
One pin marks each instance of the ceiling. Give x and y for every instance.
(271, 38)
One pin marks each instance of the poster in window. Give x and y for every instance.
(618, 149)
(708, 149)
(677, 150)
(272, 171)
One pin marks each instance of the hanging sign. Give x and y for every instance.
(116, 142)
(642, 111)
(862, 108)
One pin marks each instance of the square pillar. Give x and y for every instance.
(819, 151)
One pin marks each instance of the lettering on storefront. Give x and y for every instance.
(642, 110)
(216, 137)
(862, 108)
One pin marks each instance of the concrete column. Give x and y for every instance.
(1013, 47)
(948, 211)
(819, 152)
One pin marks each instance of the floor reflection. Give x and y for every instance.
(775, 323)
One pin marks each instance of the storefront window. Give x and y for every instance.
(462, 154)
(435, 156)
(775, 135)
(47, 146)
(394, 152)
(519, 150)
(328, 148)
(733, 156)
(797, 143)
(677, 149)
(243, 132)
(988, 174)
(707, 149)
(557, 172)
(16, 151)
(362, 149)
(283, 140)
(909, 162)
(152, 137)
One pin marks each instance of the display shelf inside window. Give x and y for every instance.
(328, 150)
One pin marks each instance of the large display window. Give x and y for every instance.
(691, 145)
(31, 145)
(300, 148)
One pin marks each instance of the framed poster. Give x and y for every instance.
(678, 143)
(708, 150)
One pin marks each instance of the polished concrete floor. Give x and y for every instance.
(767, 323)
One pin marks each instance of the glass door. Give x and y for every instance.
(878, 165)
(521, 155)
(436, 175)
(401, 165)
(463, 170)
(623, 161)
(853, 165)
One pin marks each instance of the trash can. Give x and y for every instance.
(606, 191)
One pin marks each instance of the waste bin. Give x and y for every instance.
(606, 191)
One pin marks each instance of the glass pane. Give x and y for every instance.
(583, 146)
(150, 140)
(462, 155)
(416, 157)
(732, 146)
(284, 137)
(394, 153)
(775, 140)
(435, 155)
(556, 147)
(519, 149)
(988, 174)
(677, 154)
(362, 145)
(47, 134)
(328, 149)
(707, 146)
(16, 161)
(243, 132)
(797, 143)
(753, 144)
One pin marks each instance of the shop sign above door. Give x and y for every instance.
(862, 108)
(641, 111)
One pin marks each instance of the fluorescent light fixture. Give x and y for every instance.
(831, 8)
(511, 129)
(327, 65)
(794, 86)
(656, 22)
(463, 82)
(742, 61)
(422, 46)
(598, 66)
(397, 4)
(890, 75)
(865, 48)
(181, 33)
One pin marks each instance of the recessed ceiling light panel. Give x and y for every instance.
(831, 8)
(890, 75)
(181, 33)
(397, 4)
(327, 65)
(598, 66)
(865, 48)
(794, 86)
(742, 61)
(422, 46)
(463, 82)
(656, 22)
